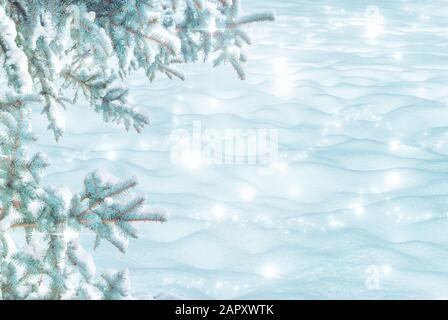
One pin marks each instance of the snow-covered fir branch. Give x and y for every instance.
(53, 53)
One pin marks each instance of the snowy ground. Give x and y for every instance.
(359, 206)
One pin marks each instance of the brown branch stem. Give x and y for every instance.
(160, 219)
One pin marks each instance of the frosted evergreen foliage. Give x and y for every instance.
(53, 53)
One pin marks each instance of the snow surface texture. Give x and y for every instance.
(358, 207)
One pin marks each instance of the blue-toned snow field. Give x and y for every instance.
(357, 203)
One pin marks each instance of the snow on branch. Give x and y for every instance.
(16, 61)
(53, 53)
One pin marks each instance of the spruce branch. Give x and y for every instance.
(54, 53)
(161, 219)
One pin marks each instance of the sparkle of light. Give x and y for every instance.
(386, 269)
(269, 271)
(192, 160)
(394, 145)
(398, 56)
(358, 208)
(111, 155)
(283, 79)
(247, 193)
(212, 26)
(219, 212)
(393, 179)
(295, 191)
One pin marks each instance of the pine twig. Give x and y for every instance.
(161, 219)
